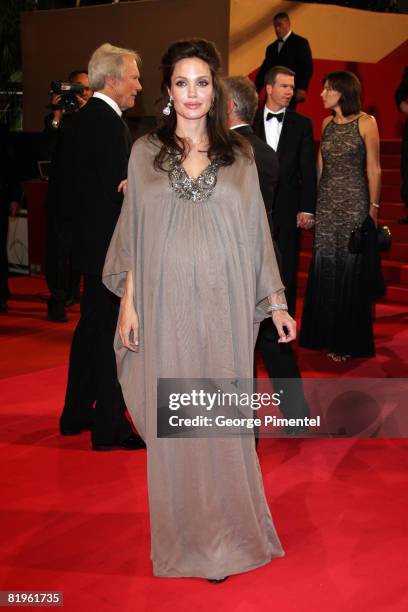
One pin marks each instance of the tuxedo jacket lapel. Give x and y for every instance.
(259, 126)
(128, 135)
(285, 133)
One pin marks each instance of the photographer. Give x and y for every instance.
(62, 279)
(62, 104)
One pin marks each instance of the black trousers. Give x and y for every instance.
(4, 290)
(404, 165)
(92, 373)
(58, 248)
(62, 279)
(287, 241)
(281, 363)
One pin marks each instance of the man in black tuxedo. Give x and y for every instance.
(279, 359)
(291, 136)
(95, 152)
(401, 99)
(242, 105)
(292, 51)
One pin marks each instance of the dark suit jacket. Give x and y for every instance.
(95, 156)
(267, 165)
(295, 54)
(10, 188)
(55, 203)
(296, 191)
(401, 93)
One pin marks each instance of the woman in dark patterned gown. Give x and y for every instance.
(337, 314)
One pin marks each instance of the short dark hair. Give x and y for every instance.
(242, 91)
(349, 86)
(281, 16)
(270, 76)
(75, 73)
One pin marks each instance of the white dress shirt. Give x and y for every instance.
(273, 127)
(282, 42)
(109, 101)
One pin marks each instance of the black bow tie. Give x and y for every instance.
(278, 116)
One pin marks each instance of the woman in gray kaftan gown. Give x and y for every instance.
(202, 267)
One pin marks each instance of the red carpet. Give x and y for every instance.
(77, 521)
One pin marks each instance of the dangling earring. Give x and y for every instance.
(167, 109)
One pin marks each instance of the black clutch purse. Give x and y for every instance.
(359, 234)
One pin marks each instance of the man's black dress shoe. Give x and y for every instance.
(404, 220)
(132, 443)
(217, 581)
(71, 300)
(3, 307)
(56, 311)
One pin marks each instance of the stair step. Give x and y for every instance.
(390, 161)
(399, 231)
(394, 271)
(391, 176)
(391, 193)
(306, 240)
(391, 147)
(404, 275)
(301, 282)
(392, 210)
(304, 261)
(397, 293)
(398, 252)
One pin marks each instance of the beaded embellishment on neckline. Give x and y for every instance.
(188, 188)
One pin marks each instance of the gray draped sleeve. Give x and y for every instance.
(121, 253)
(267, 277)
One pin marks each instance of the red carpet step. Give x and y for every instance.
(394, 210)
(391, 176)
(391, 193)
(391, 147)
(390, 161)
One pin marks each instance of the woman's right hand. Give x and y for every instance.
(374, 214)
(283, 321)
(128, 325)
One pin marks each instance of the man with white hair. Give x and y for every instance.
(95, 156)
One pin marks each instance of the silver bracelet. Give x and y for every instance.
(273, 307)
(374, 204)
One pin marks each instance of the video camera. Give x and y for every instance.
(68, 92)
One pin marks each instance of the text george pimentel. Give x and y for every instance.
(220, 399)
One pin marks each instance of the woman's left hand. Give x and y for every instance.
(122, 186)
(374, 215)
(282, 320)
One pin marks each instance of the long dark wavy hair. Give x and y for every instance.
(223, 143)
